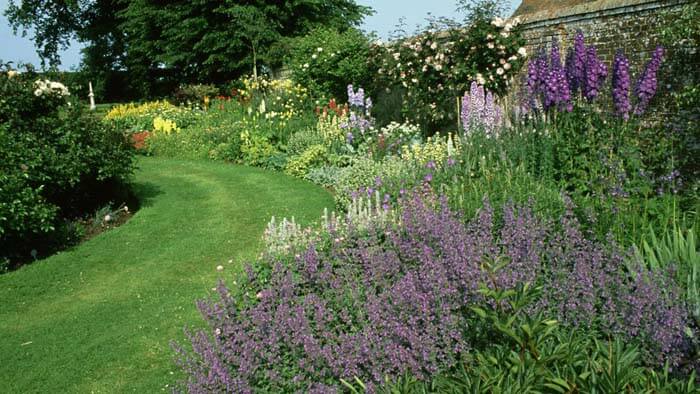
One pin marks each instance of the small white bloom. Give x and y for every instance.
(433, 46)
(506, 66)
(438, 67)
(414, 80)
(522, 52)
(11, 73)
(306, 65)
(217, 331)
(490, 45)
(480, 79)
(505, 34)
(219, 268)
(502, 61)
(499, 71)
(396, 55)
(314, 56)
(512, 58)
(319, 49)
(489, 36)
(498, 22)
(108, 218)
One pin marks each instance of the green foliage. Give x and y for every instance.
(327, 60)
(304, 139)
(194, 93)
(256, 149)
(58, 164)
(433, 68)
(313, 156)
(678, 248)
(520, 352)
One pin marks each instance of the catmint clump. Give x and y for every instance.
(646, 86)
(621, 85)
(382, 295)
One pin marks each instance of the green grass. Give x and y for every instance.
(99, 317)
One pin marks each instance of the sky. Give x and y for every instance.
(387, 14)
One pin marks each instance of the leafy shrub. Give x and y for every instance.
(325, 61)
(326, 176)
(300, 165)
(394, 299)
(522, 352)
(58, 163)
(142, 117)
(194, 94)
(303, 140)
(436, 65)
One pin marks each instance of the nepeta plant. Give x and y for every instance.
(394, 298)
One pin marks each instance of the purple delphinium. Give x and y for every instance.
(595, 72)
(621, 85)
(576, 60)
(646, 86)
(356, 99)
(557, 93)
(480, 110)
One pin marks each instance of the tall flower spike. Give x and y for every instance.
(576, 63)
(646, 86)
(594, 74)
(621, 85)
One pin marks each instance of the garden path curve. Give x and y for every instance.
(99, 317)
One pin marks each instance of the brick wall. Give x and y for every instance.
(630, 25)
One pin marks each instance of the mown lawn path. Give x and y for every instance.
(99, 317)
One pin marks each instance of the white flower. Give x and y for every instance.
(480, 79)
(396, 55)
(512, 58)
(499, 71)
(438, 67)
(219, 268)
(522, 52)
(319, 49)
(414, 80)
(505, 34)
(314, 56)
(433, 46)
(498, 22)
(217, 331)
(306, 65)
(11, 73)
(489, 36)
(490, 45)
(506, 66)
(502, 61)
(38, 92)
(108, 218)
(425, 68)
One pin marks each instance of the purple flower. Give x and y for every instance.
(621, 85)
(594, 74)
(576, 61)
(428, 177)
(646, 86)
(479, 110)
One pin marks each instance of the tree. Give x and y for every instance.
(185, 41)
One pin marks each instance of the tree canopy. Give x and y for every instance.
(187, 41)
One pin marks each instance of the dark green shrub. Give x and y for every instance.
(58, 163)
(326, 61)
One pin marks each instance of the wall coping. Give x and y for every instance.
(592, 10)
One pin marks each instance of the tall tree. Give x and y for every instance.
(190, 41)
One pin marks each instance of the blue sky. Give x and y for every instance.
(386, 17)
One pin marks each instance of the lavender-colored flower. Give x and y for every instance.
(621, 85)
(646, 86)
(576, 60)
(479, 110)
(594, 74)
(555, 55)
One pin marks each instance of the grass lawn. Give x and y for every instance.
(99, 317)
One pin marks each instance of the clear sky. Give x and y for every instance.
(386, 17)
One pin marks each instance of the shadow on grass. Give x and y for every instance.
(145, 193)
